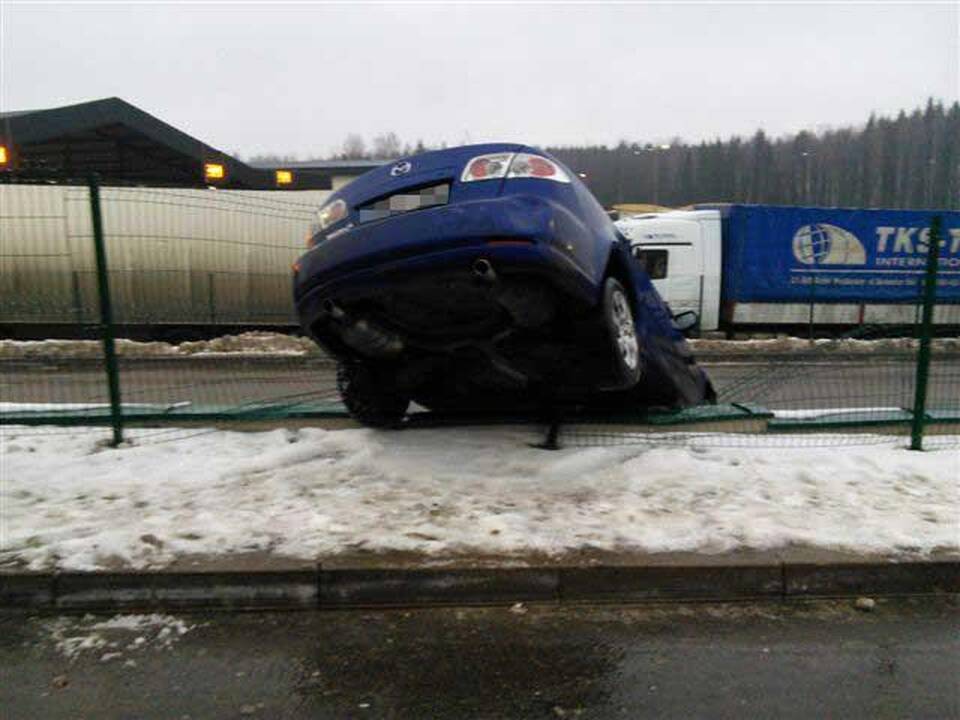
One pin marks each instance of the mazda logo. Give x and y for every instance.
(401, 168)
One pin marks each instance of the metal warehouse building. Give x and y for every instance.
(126, 145)
(183, 250)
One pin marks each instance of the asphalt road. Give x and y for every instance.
(813, 660)
(781, 383)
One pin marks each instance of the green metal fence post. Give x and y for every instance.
(926, 330)
(106, 311)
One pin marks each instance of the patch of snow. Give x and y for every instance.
(74, 636)
(144, 622)
(69, 502)
(820, 345)
(260, 343)
(826, 412)
(71, 646)
(248, 343)
(24, 407)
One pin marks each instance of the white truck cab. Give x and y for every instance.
(681, 252)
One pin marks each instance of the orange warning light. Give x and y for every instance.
(214, 172)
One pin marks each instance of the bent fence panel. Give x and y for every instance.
(201, 292)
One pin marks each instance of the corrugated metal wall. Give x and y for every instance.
(177, 256)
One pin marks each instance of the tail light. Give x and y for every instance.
(536, 166)
(512, 165)
(487, 167)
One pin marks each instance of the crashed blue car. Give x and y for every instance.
(486, 278)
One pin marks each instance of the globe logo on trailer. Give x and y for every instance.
(823, 244)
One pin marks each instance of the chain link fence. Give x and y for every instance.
(189, 273)
(201, 310)
(793, 392)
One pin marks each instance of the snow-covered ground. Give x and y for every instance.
(815, 413)
(820, 345)
(279, 344)
(68, 501)
(29, 407)
(249, 343)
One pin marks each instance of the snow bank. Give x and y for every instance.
(69, 502)
(813, 414)
(270, 343)
(27, 407)
(822, 345)
(249, 343)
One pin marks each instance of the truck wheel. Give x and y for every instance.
(370, 398)
(622, 330)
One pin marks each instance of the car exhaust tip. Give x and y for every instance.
(484, 270)
(330, 308)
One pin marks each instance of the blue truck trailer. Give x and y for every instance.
(742, 266)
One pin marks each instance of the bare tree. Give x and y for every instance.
(272, 158)
(386, 146)
(354, 148)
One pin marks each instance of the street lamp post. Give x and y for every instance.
(656, 150)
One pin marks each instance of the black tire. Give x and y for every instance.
(369, 396)
(622, 333)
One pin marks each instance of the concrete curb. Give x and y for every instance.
(420, 587)
(160, 590)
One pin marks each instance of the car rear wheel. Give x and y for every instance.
(370, 396)
(622, 331)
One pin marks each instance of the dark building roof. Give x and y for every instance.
(345, 167)
(122, 143)
(323, 171)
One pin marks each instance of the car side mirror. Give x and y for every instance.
(686, 321)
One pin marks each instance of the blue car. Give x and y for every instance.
(486, 278)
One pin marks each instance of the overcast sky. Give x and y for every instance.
(298, 78)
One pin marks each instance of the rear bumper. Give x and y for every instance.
(518, 235)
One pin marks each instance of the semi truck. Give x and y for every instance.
(731, 266)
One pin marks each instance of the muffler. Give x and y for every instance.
(330, 308)
(362, 335)
(371, 340)
(483, 270)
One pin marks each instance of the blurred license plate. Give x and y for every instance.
(405, 202)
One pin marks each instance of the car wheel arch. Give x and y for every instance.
(618, 267)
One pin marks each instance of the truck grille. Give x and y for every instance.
(403, 202)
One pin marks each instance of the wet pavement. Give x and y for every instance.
(804, 660)
(803, 382)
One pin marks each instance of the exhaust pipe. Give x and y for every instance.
(371, 340)
(330, 308)
(362, 335)
(484, 270)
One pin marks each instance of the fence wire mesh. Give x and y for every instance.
(850, 390)
(200, 285)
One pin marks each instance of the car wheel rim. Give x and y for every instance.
(626, 332)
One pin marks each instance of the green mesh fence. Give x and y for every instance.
(206, 274)
(853, 389)
(201, 264)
